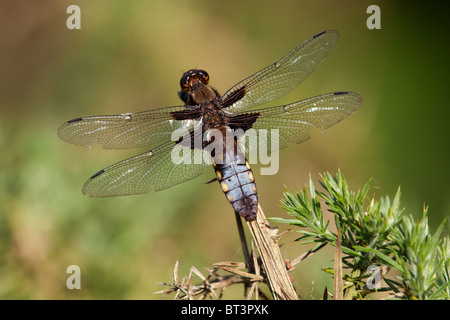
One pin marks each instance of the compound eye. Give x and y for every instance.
(193, 76)
(204, 75)
(185, 81)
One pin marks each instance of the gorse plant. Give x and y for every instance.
(382, 249)
(375, 236)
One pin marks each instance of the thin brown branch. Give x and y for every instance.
(338, 281)
(185, 290)
(275, 270)
(303, 256)
(243, 242)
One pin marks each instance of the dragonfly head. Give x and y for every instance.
(193, 77)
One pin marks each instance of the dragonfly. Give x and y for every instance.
(212, 127)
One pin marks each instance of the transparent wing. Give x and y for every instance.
(294, 121)
(155, 170)
(132, 130)
(282, 76)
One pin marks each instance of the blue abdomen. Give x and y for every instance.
(238, 183)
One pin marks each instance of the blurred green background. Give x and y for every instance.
(128, 57)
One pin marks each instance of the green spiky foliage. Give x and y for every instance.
(375, 235)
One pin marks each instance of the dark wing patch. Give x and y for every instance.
(234, 97)
(187, 114)
(243, 121)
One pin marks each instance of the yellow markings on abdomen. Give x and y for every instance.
(224, 186)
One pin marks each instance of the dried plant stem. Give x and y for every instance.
(247, 257)
(266, 240)
(338, 281)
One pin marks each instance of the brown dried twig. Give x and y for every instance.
(266, 241)
(186, 290)
(269, 268)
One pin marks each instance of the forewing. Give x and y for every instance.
(124, 131)
(294, 121)
(282, 76)
(150, 171)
